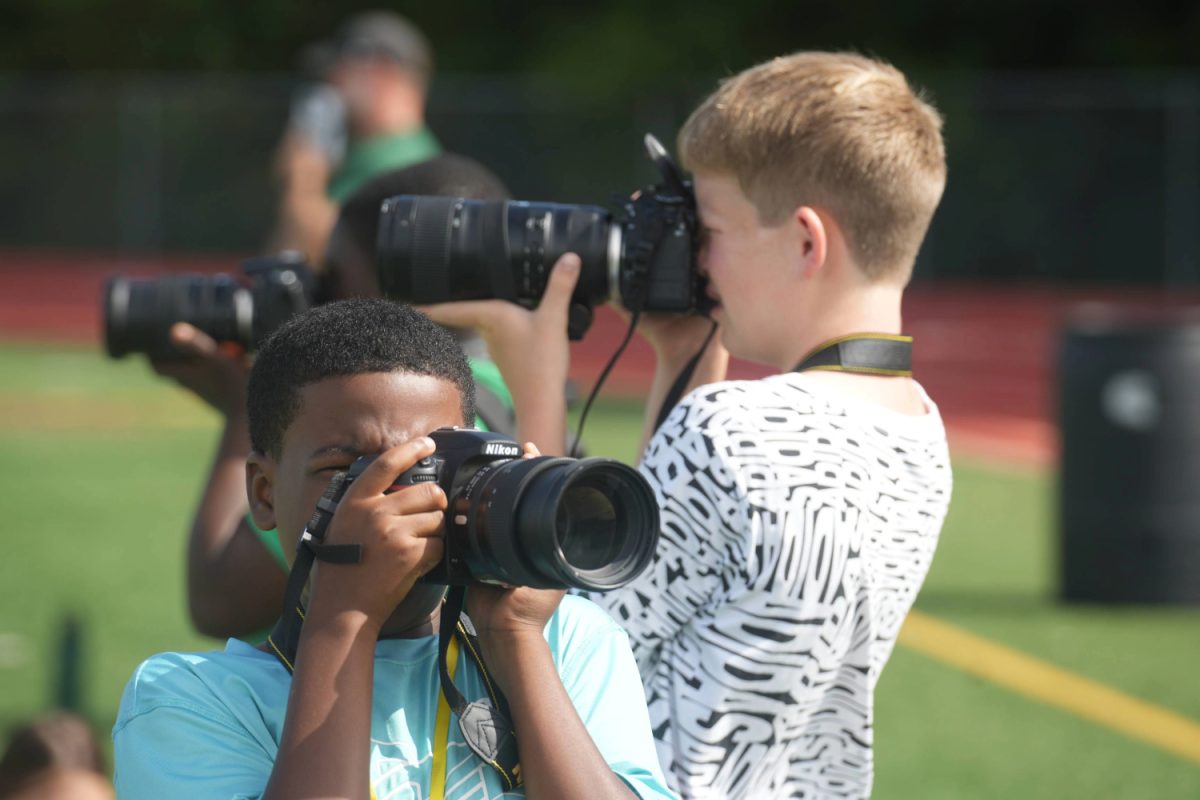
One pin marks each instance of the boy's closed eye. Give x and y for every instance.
(328, 460)
(326, 469)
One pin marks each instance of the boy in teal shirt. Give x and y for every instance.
(359, 716)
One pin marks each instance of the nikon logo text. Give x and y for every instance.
(501, 449)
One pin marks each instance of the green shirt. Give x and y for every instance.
(370, 157)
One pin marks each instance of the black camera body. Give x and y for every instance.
(438, 249)
(545, 522)
(139, 313)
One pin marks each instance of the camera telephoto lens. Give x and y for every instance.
(561, 523)
(441, 249)
(586, 528)
(138, 314)
(438, 249)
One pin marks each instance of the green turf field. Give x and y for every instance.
(100, 464)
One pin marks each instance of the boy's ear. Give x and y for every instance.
(813, 233)
(260, 489)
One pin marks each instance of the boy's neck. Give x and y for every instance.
(871, 308)
(396, 628)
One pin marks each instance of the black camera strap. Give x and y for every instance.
(575, 452)
(884, 354)
(485, 724)
(284, 638)
(675, 393)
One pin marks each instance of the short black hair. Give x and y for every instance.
(445, 175)
(349, 337)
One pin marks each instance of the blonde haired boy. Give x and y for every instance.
(801, 511)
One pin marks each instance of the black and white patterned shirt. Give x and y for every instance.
(797, 527)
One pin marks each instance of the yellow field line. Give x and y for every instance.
(1052, 685)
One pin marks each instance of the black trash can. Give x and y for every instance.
(1129, 489)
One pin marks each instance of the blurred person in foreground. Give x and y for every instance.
(358, 713)
(365, 115)
(800, 512)
(54, 757)
(236, 571)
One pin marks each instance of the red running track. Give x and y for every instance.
(985, 353)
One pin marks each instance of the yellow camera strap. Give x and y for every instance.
(485, 724)
(441, 732)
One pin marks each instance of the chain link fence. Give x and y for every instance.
(1064, 177)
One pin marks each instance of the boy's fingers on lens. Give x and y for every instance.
(415, 499)
(379, 476)
(421, 525)
(563, 278)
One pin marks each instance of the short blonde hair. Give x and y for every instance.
(837, 131)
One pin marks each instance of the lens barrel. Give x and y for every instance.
(436, 249)
(560, 523)
(138, 314)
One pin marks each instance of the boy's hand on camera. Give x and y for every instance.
(674, 337)
(530, 348)
(401, 534)
(527, 345)
(216, 372)
(507, 612)
(506, 617)
(511, 625)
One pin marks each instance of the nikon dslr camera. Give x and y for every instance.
(545, 522)
(437, 249)
(138, 314)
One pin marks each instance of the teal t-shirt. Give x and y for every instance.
(208, 725)
(370, 157)
(486, 374)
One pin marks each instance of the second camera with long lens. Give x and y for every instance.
(549, 523)
(138, 314)
(437, 249)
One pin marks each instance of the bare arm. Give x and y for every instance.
(306, 215)
(676, 339)
(234, 586)
(559, 759)
(530, 348)
(324, 750)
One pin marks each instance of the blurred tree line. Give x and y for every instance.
(1069, 124)
(605, 47)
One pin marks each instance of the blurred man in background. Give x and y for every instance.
(365, 115)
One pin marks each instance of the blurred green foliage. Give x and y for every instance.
(603, 47)
(1068, 125)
